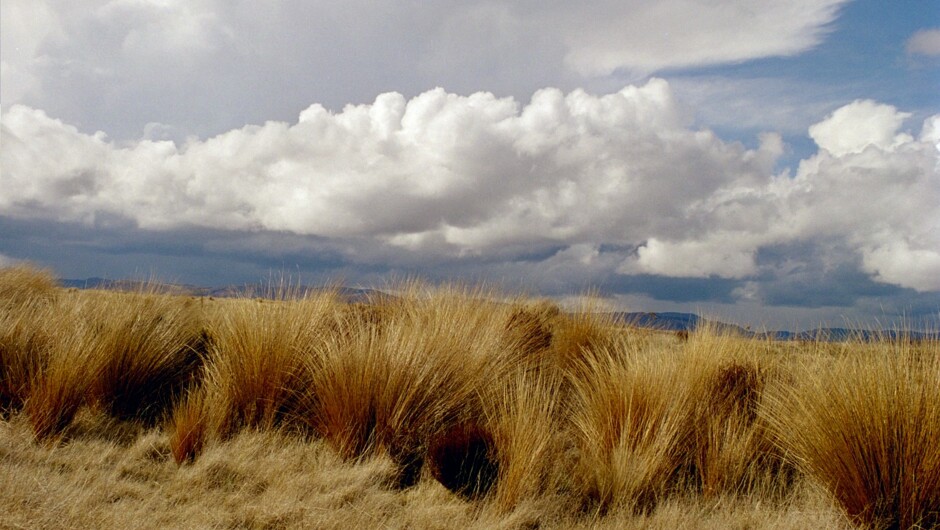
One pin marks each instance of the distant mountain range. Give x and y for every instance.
(666, 321)
(256, 290)
(689, 322)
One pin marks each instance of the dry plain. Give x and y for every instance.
(444, 407)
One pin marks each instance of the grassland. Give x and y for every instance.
(444, 408)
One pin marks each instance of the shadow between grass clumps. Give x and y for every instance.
(463, 461)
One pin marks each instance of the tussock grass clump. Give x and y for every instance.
(865, 425)
(27, 298)
(529, 438)
(732, 451)
(587, 332)
(394, 390)
(529, 329)
(149, 348)
(509, 455)
(631, 412)
(506, 450)
(23, 284)
(254, 376)
(655, 420)
(59, 388)
(24, 349)
(130, 354)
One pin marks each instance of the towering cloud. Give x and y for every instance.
(620, 181)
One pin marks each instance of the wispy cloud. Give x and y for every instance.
(925, 42)
(650, 36)
(6, 261)
(204, 67)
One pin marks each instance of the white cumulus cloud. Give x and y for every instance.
(862, 123)
(899, 264)
(720, 255)
(616, 182)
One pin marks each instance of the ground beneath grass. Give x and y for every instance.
(109, 474)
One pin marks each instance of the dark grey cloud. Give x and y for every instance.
(194, 255)
(818, 274)
(794, 282)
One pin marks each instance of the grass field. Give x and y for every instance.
(444, 407)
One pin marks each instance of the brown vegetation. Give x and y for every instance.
(465, 406)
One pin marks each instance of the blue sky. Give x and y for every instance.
(863, 56)
(772, 163)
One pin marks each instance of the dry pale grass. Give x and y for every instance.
(632, 412)
(119, 475)
(444, 407)
(866, 425)
(255, 371)
(26, 299)
(732, 451)
(131, 354)
(24, 284)
(529, 450)
(149, 348)
(24, 349)
(394, 389)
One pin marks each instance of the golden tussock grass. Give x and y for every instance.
(632, 413)
(732, 452)
(529, 452)
(131, 354)
(26, 297)
(254, 373)
(866, 425)
(444, 407)
(394, 388)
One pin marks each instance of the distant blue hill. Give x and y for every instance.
(252, 290)
(689, 322)
(666, 321)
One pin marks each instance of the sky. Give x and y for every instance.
(774, 163)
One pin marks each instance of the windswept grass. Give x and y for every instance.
(24, 349)
(24, 284)
(149, 347)
(254, 376)
(27, 298)
(529, 451)
(732, 452)
(131, 354)
(395, 388)
(632, 414)
(866, 425)
(445, 406)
